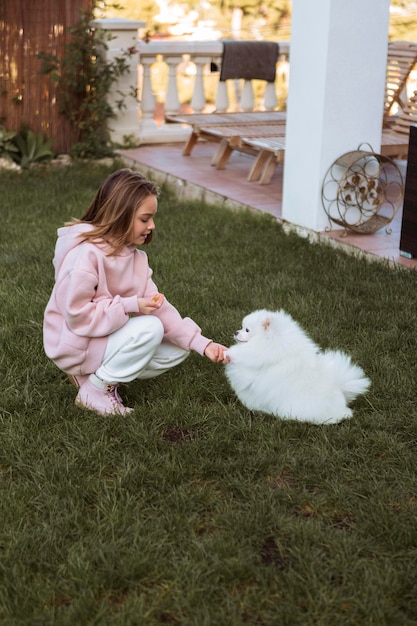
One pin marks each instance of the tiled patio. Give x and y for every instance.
(196, 178)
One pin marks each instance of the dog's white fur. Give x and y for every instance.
(276, 368)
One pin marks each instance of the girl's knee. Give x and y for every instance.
(157, 328)
(149, 326)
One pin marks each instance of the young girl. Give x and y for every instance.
(105, 322)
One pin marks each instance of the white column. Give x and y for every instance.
(336, 95)
(270, 97)
(124, 38)
(172, 102)
(198, 100)
(247, 98)
(147, 97)
(222, 97)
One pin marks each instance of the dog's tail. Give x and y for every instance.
(350, 377)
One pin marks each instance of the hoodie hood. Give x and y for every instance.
(68, 238)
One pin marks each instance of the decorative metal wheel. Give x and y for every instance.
(362, 191)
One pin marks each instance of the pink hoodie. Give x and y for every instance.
(94, 295)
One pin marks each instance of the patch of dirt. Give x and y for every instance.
(177, 435)
(271, 554)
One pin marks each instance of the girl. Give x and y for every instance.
(105, 322)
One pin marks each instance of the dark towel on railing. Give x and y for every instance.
(249, 60)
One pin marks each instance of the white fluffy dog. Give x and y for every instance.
(276, 368)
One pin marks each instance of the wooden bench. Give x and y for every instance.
(201, 123)
(401, 60)
(270, 152)
(230, 138)
(394, 141)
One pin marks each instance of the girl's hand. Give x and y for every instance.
(149, 305)
(216, 353)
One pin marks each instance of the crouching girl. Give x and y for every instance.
(105, 322)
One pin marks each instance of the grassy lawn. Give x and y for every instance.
(193, 510)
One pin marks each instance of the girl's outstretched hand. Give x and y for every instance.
(216, 353)
(149, 305)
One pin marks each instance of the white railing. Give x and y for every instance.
(171, 74)
(197, 58)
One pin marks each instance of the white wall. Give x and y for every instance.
(336, 95)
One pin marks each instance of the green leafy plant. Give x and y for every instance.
(31, 148)
(8, 149)
(84, 79)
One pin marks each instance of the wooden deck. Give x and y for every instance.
(197, 178)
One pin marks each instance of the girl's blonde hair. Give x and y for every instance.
(113, 208)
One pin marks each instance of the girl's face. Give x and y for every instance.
(143, 223)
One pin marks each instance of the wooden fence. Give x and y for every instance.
(28, 27)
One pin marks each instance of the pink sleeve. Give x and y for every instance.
(86, 316)
(182, 332)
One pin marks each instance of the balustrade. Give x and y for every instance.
(138, 123)
(203, 55)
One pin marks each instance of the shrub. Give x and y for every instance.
(31, 148)
(7, 146)
(84, 79)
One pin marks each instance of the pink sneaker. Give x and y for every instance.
(105, 401)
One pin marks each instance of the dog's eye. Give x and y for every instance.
(247, 330)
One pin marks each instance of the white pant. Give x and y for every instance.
(137, 351)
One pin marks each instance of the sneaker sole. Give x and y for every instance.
(80, 405)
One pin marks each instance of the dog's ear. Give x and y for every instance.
(266, 323)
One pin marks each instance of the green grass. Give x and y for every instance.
(193, 510)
